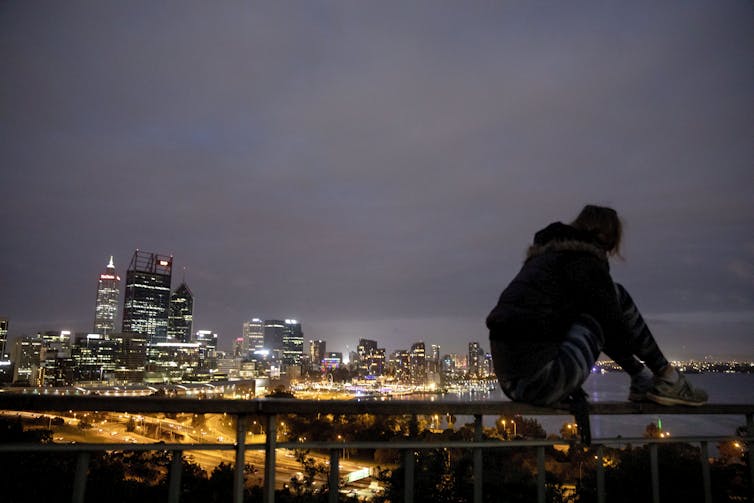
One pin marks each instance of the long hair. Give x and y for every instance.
(604, 223)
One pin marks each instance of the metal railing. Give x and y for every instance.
(270, 409)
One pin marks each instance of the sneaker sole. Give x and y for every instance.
(664, 400)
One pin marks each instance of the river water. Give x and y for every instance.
(613, 387)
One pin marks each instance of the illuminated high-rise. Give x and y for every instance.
(293, 342)
(253, 335)
(476, 359)
(146, 304)
(181, 316)
(317, 350)
(418, 363)
(3, 335)
(106, 307)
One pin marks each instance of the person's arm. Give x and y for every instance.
(595, 294)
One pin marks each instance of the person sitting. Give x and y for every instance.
(563, 309)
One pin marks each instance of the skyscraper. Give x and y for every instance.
(273, 336)
(317, 350)
(476, 356)
(418, 363)
(147, 297)
(253, 335)
(293, 343)
(106, 308)
(181, 316)
(3, 335)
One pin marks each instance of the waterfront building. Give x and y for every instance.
(181, 316)
(253, 335)
(365, 348)
(433, 362)
(147, 295)
(375, 362)
(448, 368)
(106, 306)
(399, 365)
(418, 363)
(475, 361)
(332, 360)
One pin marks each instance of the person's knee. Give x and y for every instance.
(589, 328)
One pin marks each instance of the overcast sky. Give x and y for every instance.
(376, 169)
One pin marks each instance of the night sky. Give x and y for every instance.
(376, 169)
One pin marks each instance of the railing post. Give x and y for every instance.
(269, 459)
(174, 488)
(408, 475)
(238, 479)
(541, 493)
(334, 478)
(79, 481)
(655, 473)
(704, 455)
(478, 468)
(601, 493)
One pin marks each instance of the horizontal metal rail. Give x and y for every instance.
(271, 408)
(266, 406)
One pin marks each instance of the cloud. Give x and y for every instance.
(333, 161)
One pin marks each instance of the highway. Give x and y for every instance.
(217, 428)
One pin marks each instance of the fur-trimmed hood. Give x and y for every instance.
(561, 237)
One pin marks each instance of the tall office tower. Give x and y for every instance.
(95, 358)
(293, 343)
(207, 340)
(418, 363)
(3, 335)
(147, 299)
(238, 345)
(181, 317)
(106, 308)
(434, 360)
(253, 335)
(317, 351)
(27, 356)
(476, 356)
(273, 337)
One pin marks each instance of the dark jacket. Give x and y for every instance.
(566, 274)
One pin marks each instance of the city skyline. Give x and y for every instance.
(376, 171)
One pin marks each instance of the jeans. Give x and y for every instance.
(576, 354)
